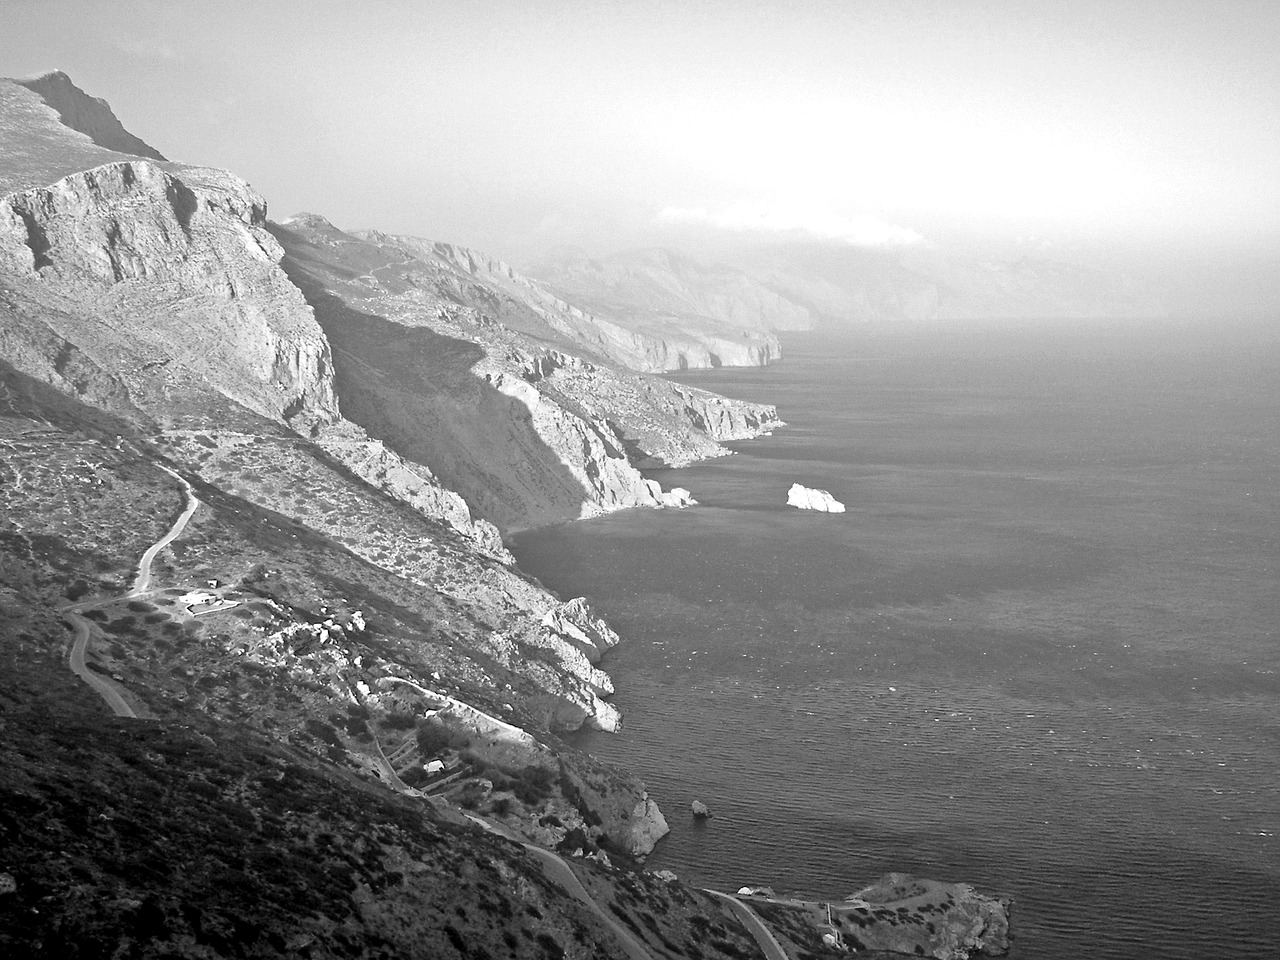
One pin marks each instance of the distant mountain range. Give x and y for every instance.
(814, 286)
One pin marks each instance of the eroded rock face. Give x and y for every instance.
(166, 277)
(648, 826)
(458, 363)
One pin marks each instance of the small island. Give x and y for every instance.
(807, 498)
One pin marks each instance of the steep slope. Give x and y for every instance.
(91, 116)
(167, 279)
(38, 147)
(450, 374)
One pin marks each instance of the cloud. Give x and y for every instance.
(859, 230)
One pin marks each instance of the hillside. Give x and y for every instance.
(828, 286)
(451, 372)
(270, 684)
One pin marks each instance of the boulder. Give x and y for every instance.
(700, 811)
(807, 498)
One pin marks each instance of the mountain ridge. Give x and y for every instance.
(828, 286)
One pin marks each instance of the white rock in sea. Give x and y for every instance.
(807, 498)
(678, 497)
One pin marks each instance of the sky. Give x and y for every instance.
(1131, 128)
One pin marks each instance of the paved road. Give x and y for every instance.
(755, 926)
(558, 871)
(86, 629)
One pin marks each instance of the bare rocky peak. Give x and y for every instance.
(91, 116)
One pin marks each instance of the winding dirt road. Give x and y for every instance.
(86, 629)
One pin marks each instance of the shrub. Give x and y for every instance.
(434, 738)
(398, 721)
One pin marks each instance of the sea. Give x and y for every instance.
(1039, 653)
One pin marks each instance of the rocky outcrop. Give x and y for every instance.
(807, 498)
(633, 824)
(168, 280)
(723, 419)
(647, 827)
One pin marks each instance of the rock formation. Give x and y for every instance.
(435, 356)
(807, 498)
(169, 282)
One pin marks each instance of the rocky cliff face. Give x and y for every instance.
(170, 280)
(497, 398)
(653, 342)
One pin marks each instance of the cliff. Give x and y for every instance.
(170, 281)
(652, 342)
(505, 405)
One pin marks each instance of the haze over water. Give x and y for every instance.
(1039, 652)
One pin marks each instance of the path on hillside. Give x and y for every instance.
(143, 580)
(558, 871)
(755, 926)
(86, 628)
